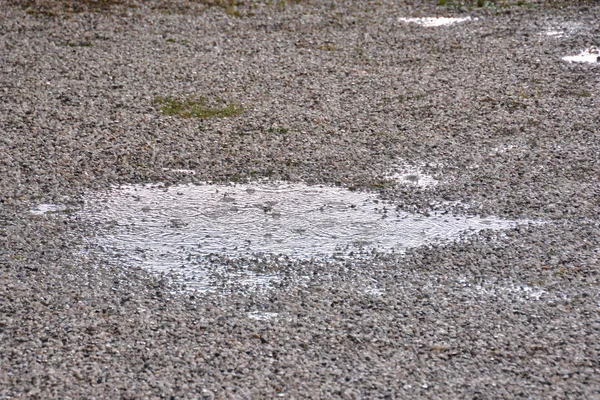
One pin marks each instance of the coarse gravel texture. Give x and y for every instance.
(337, 93)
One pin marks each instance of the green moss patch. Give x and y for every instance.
(196, 107)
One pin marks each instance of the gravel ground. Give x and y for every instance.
(332, 93)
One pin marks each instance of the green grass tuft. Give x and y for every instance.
(280, 131)
(196, 107)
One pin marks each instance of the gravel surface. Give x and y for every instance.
(340, 94)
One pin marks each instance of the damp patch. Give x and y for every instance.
(245, 233)
(485, 290)
(413, 178)
(591, 55)
(434, 21)
(518, 292)
(180, 171)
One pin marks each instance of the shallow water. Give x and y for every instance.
(45, 209)
(262, 315)
(553, 33)
(434, 21)
(591, 55)
(181, 227)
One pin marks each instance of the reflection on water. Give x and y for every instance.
(434, 21)
(591, 55)
(194, 229)
(262, 316)
(48, 209)
(556, 34)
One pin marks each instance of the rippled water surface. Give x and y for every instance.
(181, 227)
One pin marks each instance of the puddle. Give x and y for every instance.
(46, 209)
(374, 291)
(556, 34)
(435, 21)
(202, 231)
(591, 55)
(262, 315)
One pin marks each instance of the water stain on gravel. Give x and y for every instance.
(192, 229)
(413, 178)
(514, 291)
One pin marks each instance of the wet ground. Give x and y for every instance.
(180, 228)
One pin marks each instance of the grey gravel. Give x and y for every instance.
(335, 93)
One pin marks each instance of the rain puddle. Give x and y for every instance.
(48, 209)
(197, 229)
(556, 34)
(262, 315)
(434, 21)
(591, 55)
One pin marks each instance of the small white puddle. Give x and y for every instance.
(434, 21)
(556, 34)
(45, 209)
(262, 315)
(185, 228)
(591, 55)
(374, 291)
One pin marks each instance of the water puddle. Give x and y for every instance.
(372, 291)
(435, 21)
(556, 34)
(48, 209)
(591, 55)
(262, 315)
(202, 231)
